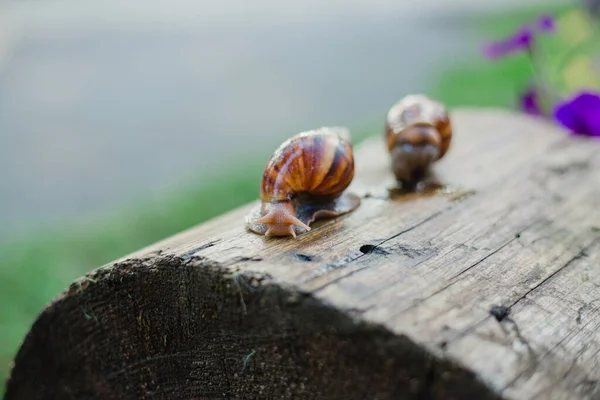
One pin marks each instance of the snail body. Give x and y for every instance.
(418, 132)
(303, 181)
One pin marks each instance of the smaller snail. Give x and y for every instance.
(418, 132)
(303, 181)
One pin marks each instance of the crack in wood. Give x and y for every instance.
(393, 283)
(454, 279)
(583, 308)
(512, 331)
(472, 327)
(237, 260)
(462, 245)
(527, 370)
(576, 257)
(188, 255)
(352, 259)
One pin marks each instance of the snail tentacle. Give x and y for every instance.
(280, 219)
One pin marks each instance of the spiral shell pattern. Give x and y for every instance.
(317, 163)
(414, 110)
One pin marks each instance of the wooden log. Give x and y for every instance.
(489, 289)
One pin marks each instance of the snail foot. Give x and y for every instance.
(279, 220)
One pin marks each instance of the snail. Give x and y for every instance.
(417, 132)
(303, 181)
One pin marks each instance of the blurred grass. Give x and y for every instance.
(34, 271)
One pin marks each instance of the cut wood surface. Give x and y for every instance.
(486, 288)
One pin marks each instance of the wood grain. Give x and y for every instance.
(489, 288)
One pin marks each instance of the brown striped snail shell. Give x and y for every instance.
(303, 181)
(417, 132)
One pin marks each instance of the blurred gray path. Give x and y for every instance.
(105, 103)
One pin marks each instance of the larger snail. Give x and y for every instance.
(417, 132)
(303, 181)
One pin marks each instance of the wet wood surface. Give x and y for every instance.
(488, 286)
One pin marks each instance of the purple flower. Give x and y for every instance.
(580, 114)
(546, 23)
(530, 102)
(521, 40)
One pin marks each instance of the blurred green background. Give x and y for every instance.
(37, 266)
